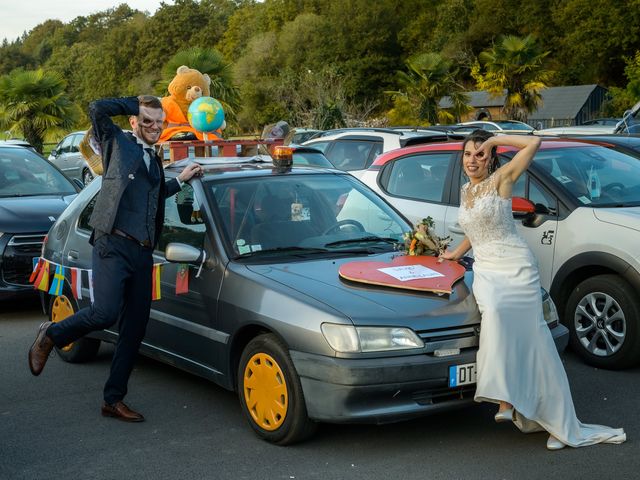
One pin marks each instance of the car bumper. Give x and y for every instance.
(385, 390)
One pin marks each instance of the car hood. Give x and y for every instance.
(628, 217)
(371, 304)
(31, 214)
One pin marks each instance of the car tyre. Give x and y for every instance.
(601, 311)
(271, 394)
(83, 349)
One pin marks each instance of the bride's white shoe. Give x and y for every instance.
(617, 439)
(554, 444)
(504, 416)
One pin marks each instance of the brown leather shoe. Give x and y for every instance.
(40, 350)
(120, 411)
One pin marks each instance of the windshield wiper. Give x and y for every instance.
(292, 250)
(370, 238)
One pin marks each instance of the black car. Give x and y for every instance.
(33, 194)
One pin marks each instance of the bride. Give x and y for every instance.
(518, 364)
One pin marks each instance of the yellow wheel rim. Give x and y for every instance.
(265, 391)
(62, 309)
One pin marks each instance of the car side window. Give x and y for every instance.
(376, 150)
(183, 220)
(419, 177)
(349, 155)
(322, 146)
(75, 144)
(65, 145)
(540, 197)
(83, 219)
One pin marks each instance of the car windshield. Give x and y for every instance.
(303, 214)
(596, 176)
(25, 173)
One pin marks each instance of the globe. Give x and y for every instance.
(205, 114)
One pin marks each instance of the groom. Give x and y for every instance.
(127, 220)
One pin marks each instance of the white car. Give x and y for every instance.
(578, 130)
(579, 210)
(501, 126)
(354, 149)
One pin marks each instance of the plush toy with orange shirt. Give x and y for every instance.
(188, 85)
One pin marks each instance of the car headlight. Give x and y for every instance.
(350, 339)
(549, 309)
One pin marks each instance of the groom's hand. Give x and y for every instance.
(190, 171)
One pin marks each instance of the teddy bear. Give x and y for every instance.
(188, 85)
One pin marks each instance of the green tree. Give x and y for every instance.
(429, 78)
(513, 67)
(35, 105)
(624, 98)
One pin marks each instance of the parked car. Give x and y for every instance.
(33, 194)
(507, 126)
(266, 313)
(578, 130)
(630, 123)
(67, 157)
(628, 143)
(579, 210)
(603, 121)
(300, 135)
(18, 142)
(354, 149)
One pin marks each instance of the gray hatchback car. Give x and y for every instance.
(266, 314)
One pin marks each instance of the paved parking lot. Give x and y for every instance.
(50, 427)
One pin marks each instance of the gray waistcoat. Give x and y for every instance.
(139, 204)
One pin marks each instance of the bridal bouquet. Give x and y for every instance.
(423, 241)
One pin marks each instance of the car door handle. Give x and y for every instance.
(455, 228)
(72, 255)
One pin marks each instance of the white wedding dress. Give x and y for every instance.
(517, 361)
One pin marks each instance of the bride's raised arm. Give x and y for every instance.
(528, 146)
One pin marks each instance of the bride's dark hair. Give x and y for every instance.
(480, 136)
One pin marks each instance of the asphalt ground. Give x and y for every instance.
(51, 428)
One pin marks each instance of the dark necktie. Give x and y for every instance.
(153, 165)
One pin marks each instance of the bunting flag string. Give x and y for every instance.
(76, 283)
(43, 268)
(155, 286)
(42, 279)
(182, 279)
(57, 284)
(91, 285)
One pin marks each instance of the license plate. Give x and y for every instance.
(462, 374)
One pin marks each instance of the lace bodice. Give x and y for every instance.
(487, 219)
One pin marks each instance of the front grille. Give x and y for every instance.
(433, 397)
(458, 337)
(17, 258)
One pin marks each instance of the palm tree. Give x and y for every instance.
(429, 78)
(211, 62)
(34, 104)
(513, 67)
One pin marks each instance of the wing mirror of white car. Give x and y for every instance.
(183, 253)
(521, 207)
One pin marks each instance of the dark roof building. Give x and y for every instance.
(560, 106)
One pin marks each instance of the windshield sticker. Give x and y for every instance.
(563, 179)
(300, 213)
(410, 272)
(584, 199)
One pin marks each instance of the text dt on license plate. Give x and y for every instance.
(462, 374)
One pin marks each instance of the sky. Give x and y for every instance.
(18, 16)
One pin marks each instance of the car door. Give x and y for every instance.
(417, 185)
(75, 160)
(540, 229)
(185, 324)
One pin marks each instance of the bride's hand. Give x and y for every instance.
(483, 152)
(447, 255)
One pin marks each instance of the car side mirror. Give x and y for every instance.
(183, 253)
(521, 207)
(78, 183)
(54, 152)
